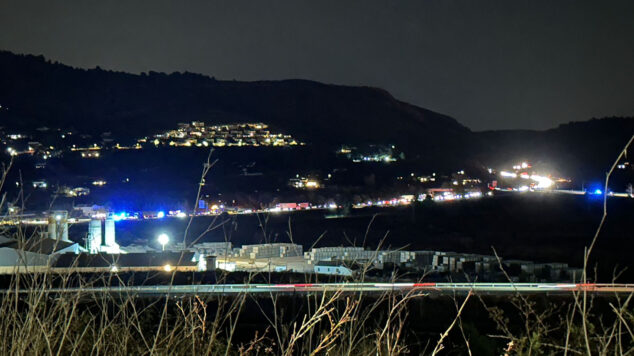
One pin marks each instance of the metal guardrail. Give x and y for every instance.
(431, 288)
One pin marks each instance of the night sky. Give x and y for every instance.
(490, 64)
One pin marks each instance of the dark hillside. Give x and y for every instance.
(40, 93)
(578, 149)
(35, 92)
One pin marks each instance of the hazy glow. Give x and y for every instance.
(163, 239)
(542, 182)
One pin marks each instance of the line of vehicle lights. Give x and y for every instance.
(543, 182)
(394, 202)
(217, 209)
(181, 215)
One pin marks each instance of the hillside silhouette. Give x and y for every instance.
(41, 93)
(36, 92)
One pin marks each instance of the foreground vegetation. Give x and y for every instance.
(35, 321)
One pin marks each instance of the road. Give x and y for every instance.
(425, 288)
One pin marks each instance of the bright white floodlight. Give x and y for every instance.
(163, 239)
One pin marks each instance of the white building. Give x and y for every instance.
(33, 252)
(331, 268)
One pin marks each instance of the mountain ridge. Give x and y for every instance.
(95, 99)
(39, 92)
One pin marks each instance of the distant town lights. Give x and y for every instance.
(312, 184)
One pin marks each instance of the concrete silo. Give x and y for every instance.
(109, 244)
(58, 225)
(94, 236)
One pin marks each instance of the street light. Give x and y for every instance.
(163, 239)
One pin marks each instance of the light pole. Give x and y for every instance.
(163, 239)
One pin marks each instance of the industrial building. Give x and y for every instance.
(38, 251)
(351, 254)
(165, 261)
(58, 225)
(95, 243)
(214, 248)
(271, 250)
